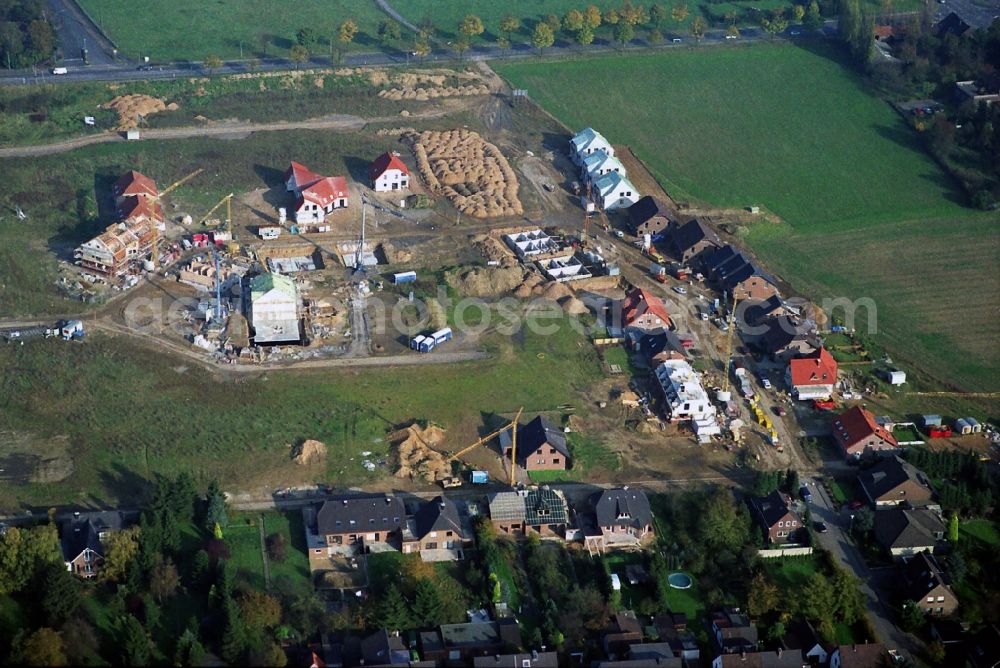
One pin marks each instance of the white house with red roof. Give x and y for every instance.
(315, 196)
(813, 376)
(388, 173)
(858, 434)
(644, 310)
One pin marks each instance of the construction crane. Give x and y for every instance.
(227, 200)
(512, 425)
(727, 356)
(177, 184)
(586, 219)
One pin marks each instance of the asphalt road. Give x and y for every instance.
(76, 33)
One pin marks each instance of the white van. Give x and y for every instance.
(60, 70)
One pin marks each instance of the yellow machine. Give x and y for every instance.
(173, 186)
(512, 425)
(228, 201)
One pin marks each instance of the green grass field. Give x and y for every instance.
(984, 531)
(865, 212)
(190, 29)
(791, 572)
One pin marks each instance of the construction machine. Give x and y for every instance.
(156, 198)
(727, 355)
(228, 201)
(512, 425)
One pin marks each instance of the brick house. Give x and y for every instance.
(756, 287)
(624, 512)
(643, 310)
(650, 215)
(869, 655)
(688, 241)
(437, 527)
(775, 517)
(361, 521)
(82, 539)
(895, 482)
(812, 376)
(540, 510)
(903, 533)
(733, 631)
(388, 173)
(858, 435)
(541, 446)
(786, 338)
(925, 585)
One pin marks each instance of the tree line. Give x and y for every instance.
(26, 35)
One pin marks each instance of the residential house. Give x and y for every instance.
(538, 510)
(431, 646)
(82, 538)
(315, 196)
(599, 163)
(532, 660)
(471, 639)
(953, 24)
(672, 629)
(623, 517)
(778, 658)
(904, 533)
(644, 311)
(984, 648)
(689, 241)
(133, 237)
(800, 636)
(586, 142)
(384, 649)
(686, 399)
(786, 338)
(273, 309)
(895, 482)
(858, 435)
(752, 313)
(984, 90)
(756, 287)
(650, 215)
(435, 531)
(869, 655)
(541, 446)
(361, 521)
(656, 347)
(733, 631)
(614, 191)
(775, 518)
(675, 662)
(624, 631)
(388, 173)
(924, 584)
(813, 376)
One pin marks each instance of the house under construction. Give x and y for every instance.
(129, 240)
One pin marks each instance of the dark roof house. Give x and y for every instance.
(734, 632)
(924, 584)
(894, 481)
(539, 444)
(691, 239)
(907, 532)
(649, 215)
(361, 514)
(623, 506)
(775, 517)
(383, 649)
(438, 514)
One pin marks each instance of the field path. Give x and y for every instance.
(233, 129)
(391, 11)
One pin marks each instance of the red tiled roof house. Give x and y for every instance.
(644, 310)
(813, 376)
(388, 173)
(858, 435)
(315, 196)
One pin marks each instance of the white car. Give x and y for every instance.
(765, 383)
(679, 290)
(732, 36)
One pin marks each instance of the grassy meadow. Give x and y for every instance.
(864, 210)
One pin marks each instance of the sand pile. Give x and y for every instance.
(573, 306)
(422, 85)
(417, 456)
(494, 250)
(469, 171)
(527, 288)
(422, 94)
(485, 281)
(394, 132)
(556, 291)
(131, 107)
(309, 452)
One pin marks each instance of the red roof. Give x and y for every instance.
(817, 369)
(303, 175)
(135, 207)
(856, 425)
(134, 183)
(325, 190)
(638, 302)
(384, 162)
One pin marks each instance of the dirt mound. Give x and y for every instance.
(494, 250)
(416, 453)
(485, 281)
(422, 85)
(131, 107)
(469, 171)
(556, 291)
(573, 306)
(309, 452)
(423, 94)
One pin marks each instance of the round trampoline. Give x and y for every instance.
(679, 580)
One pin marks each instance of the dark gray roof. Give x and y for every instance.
(471, 634)
(674, 662)
(646, 208)
(922, 575)
(544, 506)
(954, 24)
(781, 331)
(651, 650)
(736, 629)
(685, 237)
(734, 274)
(770, 509)
(901, 528)
(756, 311)
(534, 435)
(533, 660)
(716, 258)
(653, 343)
(438, 514)
(367, 513)
(623, 506)
(382, 649)
(888, 474)
(801, 635)
(767, 659)
(81, 532)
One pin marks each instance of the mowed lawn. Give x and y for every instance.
(192, 29)
(865, 211)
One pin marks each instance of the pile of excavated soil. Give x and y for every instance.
(131, 107)
(485, 281)
(527, 288)
(416, 453)
(394, 132)
(494, 250)
(556, 291)
(422, 94)
(573, 306)
(309, 452)
(469, 171)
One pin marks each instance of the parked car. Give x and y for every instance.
(820, 527)
(805, 494)
(780, 410)
(676, 40)
(855, 504)
(679, 290)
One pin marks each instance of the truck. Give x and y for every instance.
(680, 272)
(404, 277)
(658, 272)
(479, 477)
(71, 329)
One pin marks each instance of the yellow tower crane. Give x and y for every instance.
(227, 200)
(512, 425)
(156, 198)
(727, 356)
